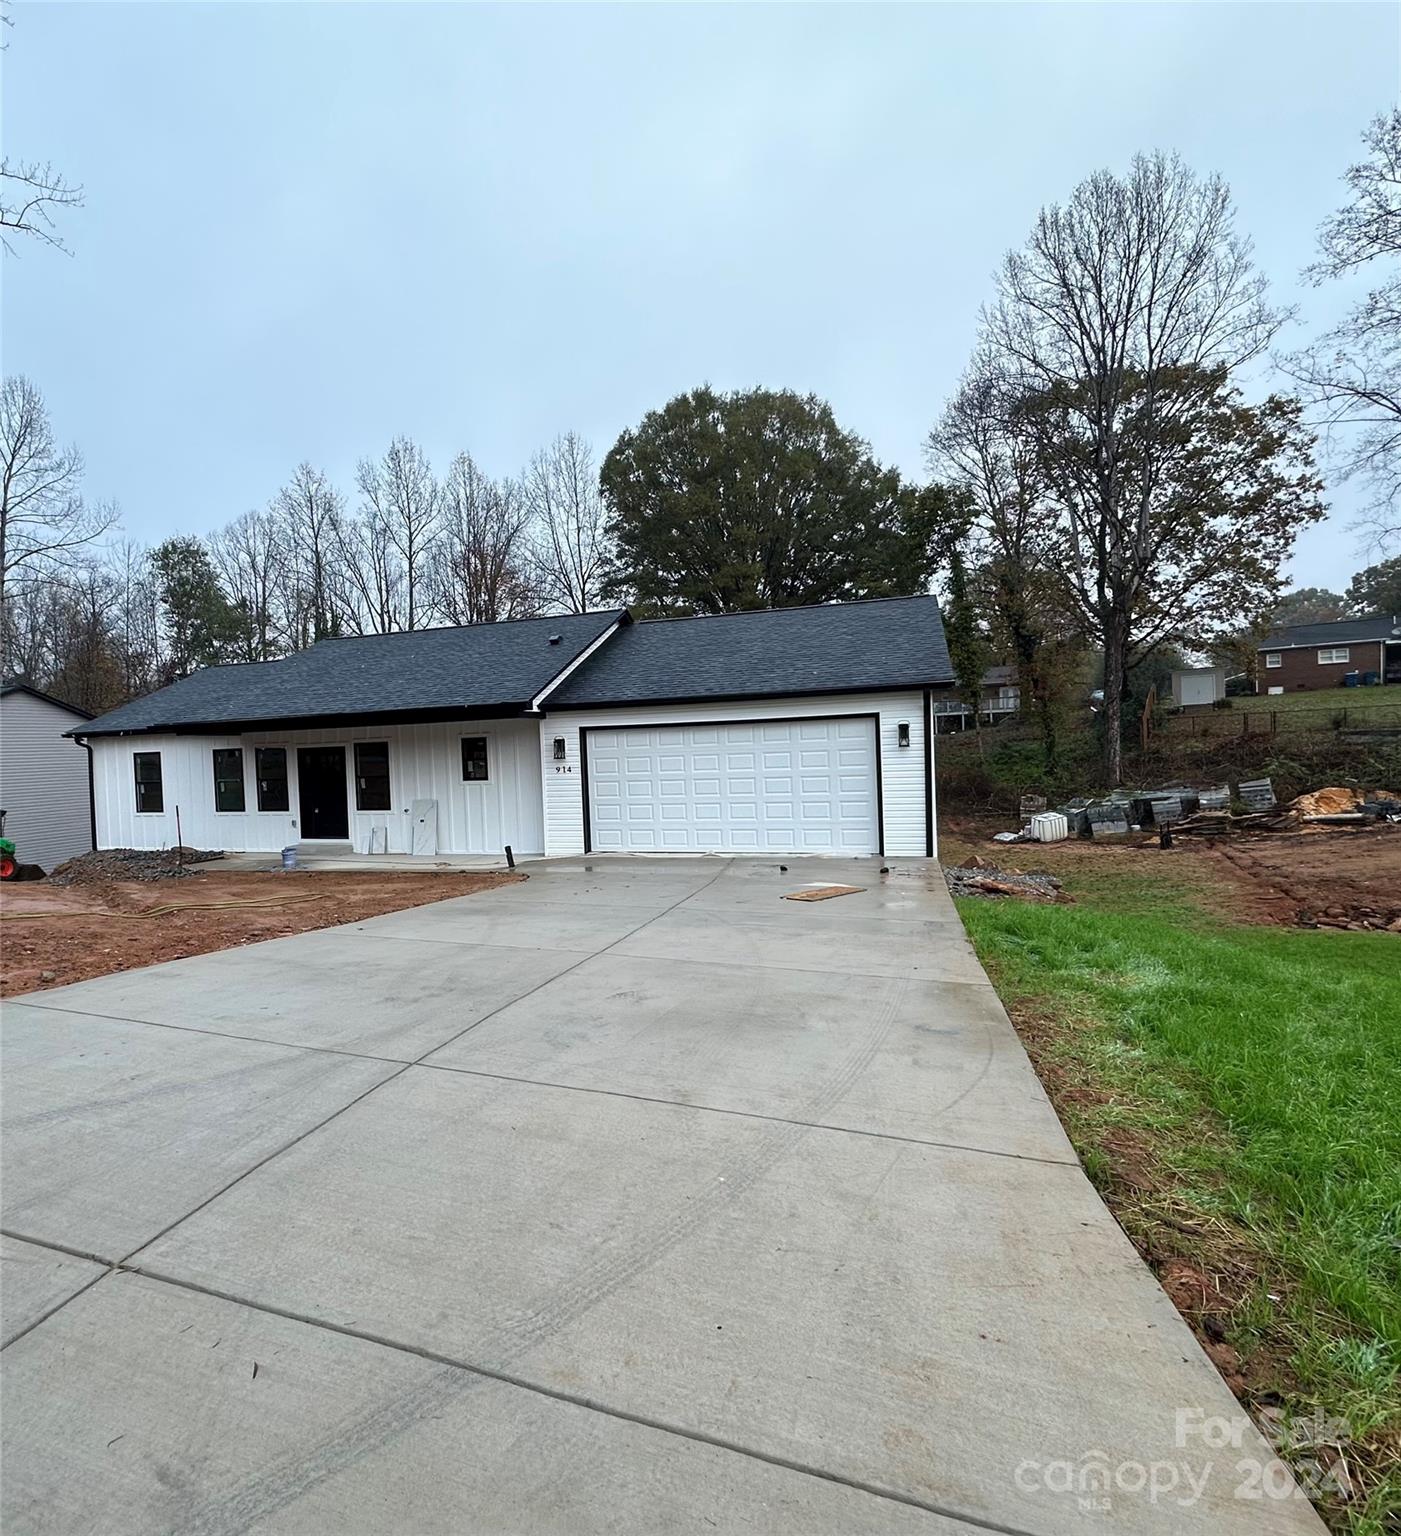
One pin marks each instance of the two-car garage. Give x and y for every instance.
(781, 785)
(768, 731)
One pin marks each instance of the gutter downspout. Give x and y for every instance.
(86, 745)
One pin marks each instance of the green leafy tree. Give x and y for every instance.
(1118, 301)
(1221, 488)
(1012, 547)
(1377, 589)
(968, 647)
(1308, 605)
(758, 499)
(202, 626)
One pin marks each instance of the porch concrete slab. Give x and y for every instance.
(934, 1061)
(578, 926)
(795, 940)
(311, 991)
(142, 1407)
(925, 1321)
(114, 1130)
(35, 1280)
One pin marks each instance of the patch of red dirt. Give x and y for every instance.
(1330, 878)
(56, 949)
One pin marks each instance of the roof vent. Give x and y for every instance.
(555, 639)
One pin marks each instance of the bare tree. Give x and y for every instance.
(1013, 538)
(1123, 311)
(30, 194)
(310, 514)
(566, 510)
(1352, 375)
(399, 521)
(44, 520)
(373, 578)
(481, 567)
(249, 555)
(140, 639)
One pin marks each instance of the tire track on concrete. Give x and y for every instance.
(597, 1280)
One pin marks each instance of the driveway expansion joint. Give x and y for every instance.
(580, 1400)
(750, 1114)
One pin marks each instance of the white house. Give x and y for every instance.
(43, 777)
(781, 730)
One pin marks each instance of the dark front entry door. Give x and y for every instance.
(321, 792)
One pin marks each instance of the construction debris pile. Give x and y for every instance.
(106, 864)
(1212, 812)
(976, 877)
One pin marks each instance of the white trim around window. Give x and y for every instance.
(1333, 655)
(1274, 659)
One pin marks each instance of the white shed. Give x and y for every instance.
(1198, 685)
(43, 777)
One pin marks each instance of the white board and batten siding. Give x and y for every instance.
(43, 781)
(713, 757)
(425, 763)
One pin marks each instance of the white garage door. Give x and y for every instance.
(800, 786)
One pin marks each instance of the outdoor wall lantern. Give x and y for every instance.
(559, 749)
(903, 733)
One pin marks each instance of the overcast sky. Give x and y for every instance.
(310, 227)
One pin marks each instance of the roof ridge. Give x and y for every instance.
(1355, 618)
(744, 613)
(443, 629)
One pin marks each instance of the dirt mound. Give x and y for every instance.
(108, 864)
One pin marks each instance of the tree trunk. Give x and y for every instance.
(1114, 648)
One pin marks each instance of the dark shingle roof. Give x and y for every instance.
(764, 653)
(479, 667)
(1376, 626)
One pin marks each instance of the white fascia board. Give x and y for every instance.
(578, 661)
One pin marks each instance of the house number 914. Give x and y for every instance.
(564, 767)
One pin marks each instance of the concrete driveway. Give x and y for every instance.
(629, 1198)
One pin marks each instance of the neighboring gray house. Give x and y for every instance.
(43, 777)
(775, 731)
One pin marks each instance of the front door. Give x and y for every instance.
(321, 792)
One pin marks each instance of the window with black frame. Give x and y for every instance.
(371, 775)
(270, 764)
(474, 760)
(228, 779)
(150, 793)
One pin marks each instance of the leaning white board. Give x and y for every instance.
(423, 817)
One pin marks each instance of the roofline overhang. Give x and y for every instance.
(514, 709)
(1328, 645)
(915, 684)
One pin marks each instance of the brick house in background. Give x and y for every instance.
(1322, 655)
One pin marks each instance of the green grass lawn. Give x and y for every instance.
(1260, 1070)
(1325, 700)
